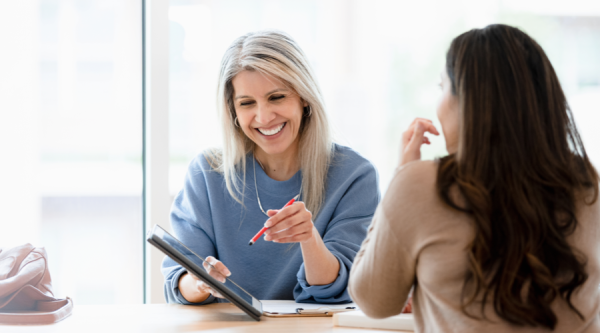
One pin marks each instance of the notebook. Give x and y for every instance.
(272, 308)
(403, 322)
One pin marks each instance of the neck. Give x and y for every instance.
(278, 166)
(451, 149)
(451, 145)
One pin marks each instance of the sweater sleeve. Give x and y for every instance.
(344, 234)
(191, 223)
(383, 272)
(385, 268)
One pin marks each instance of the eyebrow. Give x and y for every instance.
(267, 94)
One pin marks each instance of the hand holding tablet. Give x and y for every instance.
(195, 290)
(213, 276)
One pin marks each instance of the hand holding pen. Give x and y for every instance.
(291, 224)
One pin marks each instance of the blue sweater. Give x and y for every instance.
(211, 223)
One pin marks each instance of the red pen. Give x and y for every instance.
(262, 231)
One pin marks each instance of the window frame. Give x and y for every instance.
(155, 138)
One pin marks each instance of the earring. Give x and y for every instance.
(236, 122)
(307, 111)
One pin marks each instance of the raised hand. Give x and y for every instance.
(413, 138)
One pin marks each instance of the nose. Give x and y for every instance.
(264, 114)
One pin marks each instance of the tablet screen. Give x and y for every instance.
(198, 261)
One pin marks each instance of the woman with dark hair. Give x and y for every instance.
(503, 234)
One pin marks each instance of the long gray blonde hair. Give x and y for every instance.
(276, 54)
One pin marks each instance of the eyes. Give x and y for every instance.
(272, 98)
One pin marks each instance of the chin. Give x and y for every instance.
(271, 150)
(275, 148)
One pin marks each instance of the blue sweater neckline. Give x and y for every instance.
(266, 184)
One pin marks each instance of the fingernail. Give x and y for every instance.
(227, 272)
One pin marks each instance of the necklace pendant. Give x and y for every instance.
(254, 160)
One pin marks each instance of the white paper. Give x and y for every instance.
(404, 321)
(286, 306)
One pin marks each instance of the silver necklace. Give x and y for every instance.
(254, 160)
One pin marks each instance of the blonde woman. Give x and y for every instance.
(277, 146)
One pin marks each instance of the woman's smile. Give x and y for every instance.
(271, 131)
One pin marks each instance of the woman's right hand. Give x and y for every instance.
(413, 138)
(195, 290)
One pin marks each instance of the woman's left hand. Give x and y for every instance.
(292, 224)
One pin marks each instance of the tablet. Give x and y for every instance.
(189, 260)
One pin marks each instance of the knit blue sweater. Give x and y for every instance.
(211, 223)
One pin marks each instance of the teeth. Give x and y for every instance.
(271, 132)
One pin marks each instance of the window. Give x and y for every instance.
(71, 104)
(377, 62)
(70, 128)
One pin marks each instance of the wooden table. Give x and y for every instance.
(219, 317)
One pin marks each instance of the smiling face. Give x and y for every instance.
(268, 112)
(448, 114)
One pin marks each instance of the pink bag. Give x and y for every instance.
(26, 296)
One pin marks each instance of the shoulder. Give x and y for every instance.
(417, 173)
(201, 180)
(415, 212)
(412, 188)
(345, 160)
(352, 176)
(207, 160)
(205, 165)
(352, 186)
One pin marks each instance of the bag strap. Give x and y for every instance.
(46, 313)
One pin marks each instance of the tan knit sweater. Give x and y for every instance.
(417, 240)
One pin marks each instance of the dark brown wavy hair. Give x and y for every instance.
(521, 167)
